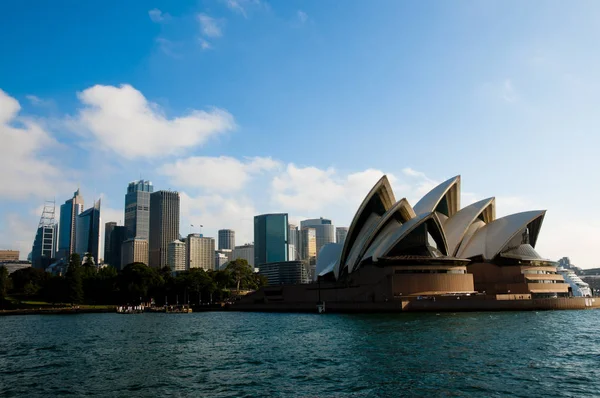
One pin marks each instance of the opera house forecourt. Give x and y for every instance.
(433, 256)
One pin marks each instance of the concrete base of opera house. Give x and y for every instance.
(391, 289)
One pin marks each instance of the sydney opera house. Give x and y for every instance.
(434, 256)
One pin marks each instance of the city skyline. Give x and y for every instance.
(462, 103)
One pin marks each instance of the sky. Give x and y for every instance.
(254, 106)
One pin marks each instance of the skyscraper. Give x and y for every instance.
(294, 243)
(44, 245)
(164, 225)
(325, 231)
(270, 238)
(137, 209)
(134, 251)
(68, 216)
(340, 234)
(176, 253)
(226, 239)
(245, 252)
(200, 252)
(113, 246)
(88, 232)
(108, 228)
(308, 249)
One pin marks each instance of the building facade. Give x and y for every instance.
(176, 253)
(88, 232)
(9, 255)
(108, 228)
(221, 260)
(226, 239)
(285, 273)
(270, 238)
(293, 243)
(137, 209)
(245, 252)
(164, 225)
(134, 251)
(324, 229)
(113, 246)
(340, 234)
(67, 225)
(200, 252)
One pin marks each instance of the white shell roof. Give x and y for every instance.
(491, 239)
(401, 209)
(328, 257)
(456, 226)
(381, 191)
(429, 202)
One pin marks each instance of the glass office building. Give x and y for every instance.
(270, 238)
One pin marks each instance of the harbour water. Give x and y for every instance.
(524, 354)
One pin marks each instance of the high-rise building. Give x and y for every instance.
(68, 218)
(325, 231)
(293, 243)
(270, 238)
(340, 235)
(88, 230)
(285, 273)
(227, 253)
(226, 239)
(176, 253)
(164, 225)
(200, 252)
(137, 209)
(9, 255)
(308, 250)
(108, 228)
(245, 252)
(113, 246)
(134, 251)
(220, 260)
(44, 245)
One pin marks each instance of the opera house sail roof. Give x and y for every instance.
(435, 228)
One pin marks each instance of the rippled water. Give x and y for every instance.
(524, 354)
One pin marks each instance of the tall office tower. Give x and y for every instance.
(44, 245)
(245, 252)
(308, 248)
(134, 251)
(227, 253)
(113, 244)
(108, 228)
(176, 253)
(88, 232)
(226, 239)
(270, 238)
(68, 216)
(324, 229)
(164, 225)
(340, 235)
(200, 252)
(137, 209)
(293, 243)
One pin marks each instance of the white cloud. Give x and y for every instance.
(121, 119)
(216, 212)
(218, 174)
(205, 45)
(508, 91)
(242, 7)
(302, 16)
(169, 47)
(158, 16)
(18, 233)
(210, 27)
(25, 168)
(234, 5)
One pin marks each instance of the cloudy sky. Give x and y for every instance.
(253, 106)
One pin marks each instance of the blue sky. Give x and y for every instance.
(252, 106)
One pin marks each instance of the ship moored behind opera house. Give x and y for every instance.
(396, 255)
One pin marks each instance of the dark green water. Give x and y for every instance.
(524, 354)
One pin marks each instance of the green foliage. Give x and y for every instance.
(241, 272)
(4, 282)
(138, 282)
(74, 280)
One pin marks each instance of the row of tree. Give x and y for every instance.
(85, 283)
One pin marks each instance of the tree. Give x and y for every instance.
(138, 281)
(74, 280)
(241, 272)
(4, 283)
(88, 260)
